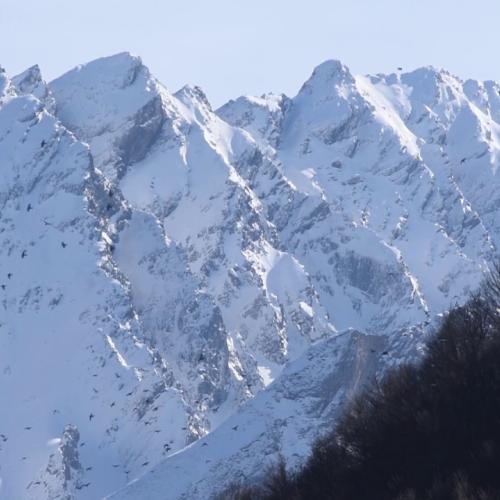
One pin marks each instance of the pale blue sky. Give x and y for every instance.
(234, 47)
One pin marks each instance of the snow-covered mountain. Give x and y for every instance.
(186, 293)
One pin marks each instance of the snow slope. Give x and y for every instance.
(282, 420)
(191, 292)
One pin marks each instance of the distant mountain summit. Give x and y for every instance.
(186, 294)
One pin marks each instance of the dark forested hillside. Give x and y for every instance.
(427, 431)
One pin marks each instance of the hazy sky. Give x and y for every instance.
(234, 47)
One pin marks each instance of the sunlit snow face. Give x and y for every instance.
(163, 263)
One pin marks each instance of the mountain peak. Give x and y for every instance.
(429, 72)
(113, 104)
(330, 67)
(31, 81)
(193, 95)
(28, 79)
(119, 70)
(327, 74)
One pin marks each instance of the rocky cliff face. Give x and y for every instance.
(163, 263)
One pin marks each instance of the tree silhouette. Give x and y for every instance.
(427, 431)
